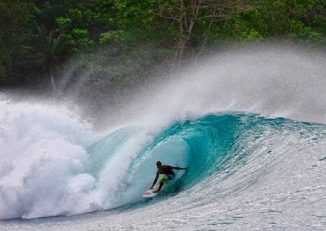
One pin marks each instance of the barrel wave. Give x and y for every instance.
(255, 152)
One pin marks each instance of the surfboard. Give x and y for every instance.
(149, 193)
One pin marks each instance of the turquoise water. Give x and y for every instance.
(241, 166)
(253, 163)
(210, 145)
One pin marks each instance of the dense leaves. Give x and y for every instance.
(36, 37)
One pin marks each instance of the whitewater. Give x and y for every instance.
(249, 123)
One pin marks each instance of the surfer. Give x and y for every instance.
(164, 174)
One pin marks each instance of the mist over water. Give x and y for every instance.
(82, 151)
(274, 80)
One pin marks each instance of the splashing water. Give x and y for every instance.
(248, 170)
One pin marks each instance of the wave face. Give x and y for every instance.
(252, 163)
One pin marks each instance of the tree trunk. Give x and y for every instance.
(203, 45)
(8, 70)
(180, 48)
(186, 25)
(52, 78)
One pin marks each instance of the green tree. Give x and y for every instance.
(46, 50)
(174, 28)
(302, 19)
(15, 18)
(83, 22)
(194, 18)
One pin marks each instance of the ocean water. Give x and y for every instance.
(249, 125)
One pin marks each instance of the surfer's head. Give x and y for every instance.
(158, 164)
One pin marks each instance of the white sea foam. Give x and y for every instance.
(42, 158)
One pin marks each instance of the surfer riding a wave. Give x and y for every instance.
(164, 174)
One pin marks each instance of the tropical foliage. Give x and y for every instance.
(36, 37)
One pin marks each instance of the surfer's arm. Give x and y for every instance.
(179, 168)
(154, 182)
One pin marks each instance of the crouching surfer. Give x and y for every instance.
(164, 174)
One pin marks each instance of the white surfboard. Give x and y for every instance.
(149, 193)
